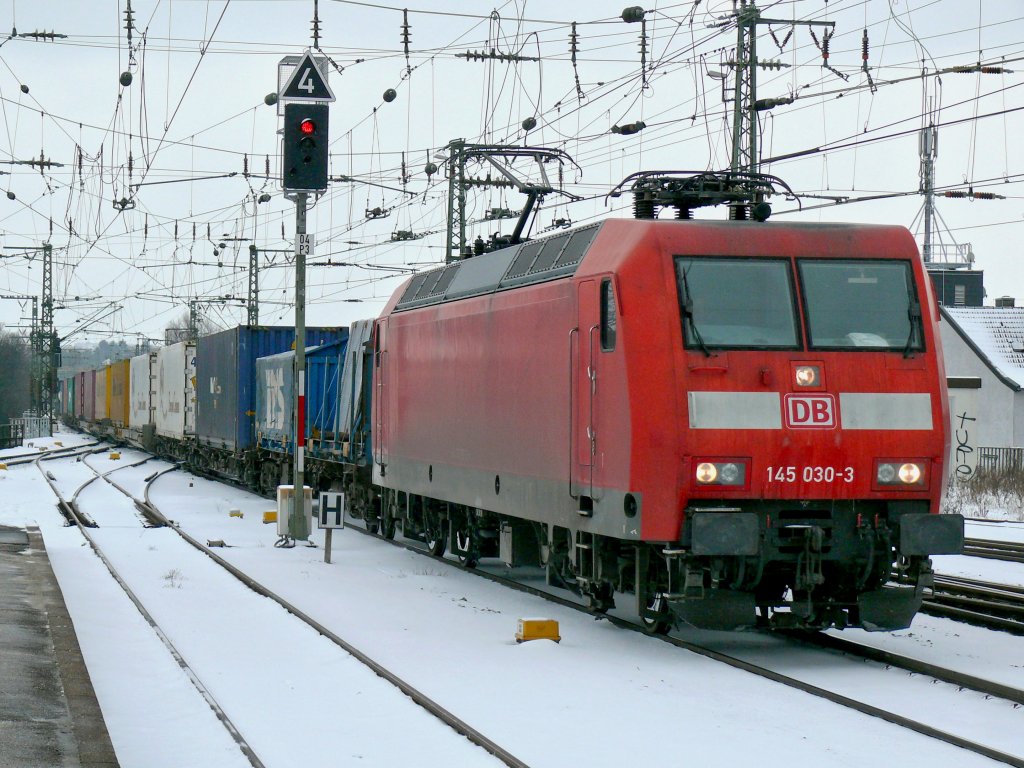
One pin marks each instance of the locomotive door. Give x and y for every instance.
(584, 391)
(380, 407)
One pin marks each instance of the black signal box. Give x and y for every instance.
(304, 159)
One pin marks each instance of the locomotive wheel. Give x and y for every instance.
(433, 535)
(467, 552)
(600, 598)
(388, 523)
(656, 617)
(435, 543)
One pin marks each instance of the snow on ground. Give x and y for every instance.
(601, 697)
(997, 571)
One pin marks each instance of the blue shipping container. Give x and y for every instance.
(226, 377)
(275, 398)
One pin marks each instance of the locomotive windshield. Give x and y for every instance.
(736, 303)
(860, 304)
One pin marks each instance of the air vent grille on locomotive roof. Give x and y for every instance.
(534, 262)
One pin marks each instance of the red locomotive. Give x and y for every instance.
(739, 423)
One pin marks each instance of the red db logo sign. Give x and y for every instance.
(810, 411)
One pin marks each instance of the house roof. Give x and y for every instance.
(996, 334)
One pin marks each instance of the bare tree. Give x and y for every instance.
(177, 329)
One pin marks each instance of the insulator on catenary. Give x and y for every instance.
(961, 193)
(390, 95)
(633, 14)
(629, 128)
(529, 124)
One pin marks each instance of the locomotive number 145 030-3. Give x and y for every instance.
(810, 474)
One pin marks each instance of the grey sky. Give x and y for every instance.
(194, 113)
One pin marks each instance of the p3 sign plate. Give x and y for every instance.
(810, 411)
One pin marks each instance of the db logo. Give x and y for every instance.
(810, 411)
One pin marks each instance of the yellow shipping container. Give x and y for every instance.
(118, 397)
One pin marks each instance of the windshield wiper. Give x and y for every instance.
(688, 316)
(914, 313)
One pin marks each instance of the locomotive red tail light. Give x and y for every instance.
(899, 473)
(728, 472)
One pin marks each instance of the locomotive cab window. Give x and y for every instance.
(869, 304)
(608, 319)
(733, 303)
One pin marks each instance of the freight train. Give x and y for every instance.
(730, 423)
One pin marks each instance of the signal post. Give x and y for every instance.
(304, 161)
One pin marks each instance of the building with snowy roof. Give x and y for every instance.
(985, 345)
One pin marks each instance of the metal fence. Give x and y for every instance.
(1000, 460)
(11, 435)
(34, 426)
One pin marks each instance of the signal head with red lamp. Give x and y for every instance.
(304, 158)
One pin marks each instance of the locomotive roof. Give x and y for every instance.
(543, 259)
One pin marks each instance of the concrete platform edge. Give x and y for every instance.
(94, 746)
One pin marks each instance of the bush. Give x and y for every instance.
(994, 495)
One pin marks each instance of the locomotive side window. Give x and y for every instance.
(608, 321)
(861, 305)
(736, 303)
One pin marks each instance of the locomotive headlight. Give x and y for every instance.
(721, 472)
(900, 473)
(730, 474)
(910, 474)
(706, 472)
(807, 375)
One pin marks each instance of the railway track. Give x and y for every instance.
(70, 510)
(993, 549)
(995, 606)
(70, 507)
(49, 453)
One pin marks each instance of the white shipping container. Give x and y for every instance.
(140, 409)
(175, 406)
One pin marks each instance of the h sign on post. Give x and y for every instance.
(332, 510)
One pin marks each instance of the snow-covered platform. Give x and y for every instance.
(49, 715)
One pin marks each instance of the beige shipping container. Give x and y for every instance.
(102, 394)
